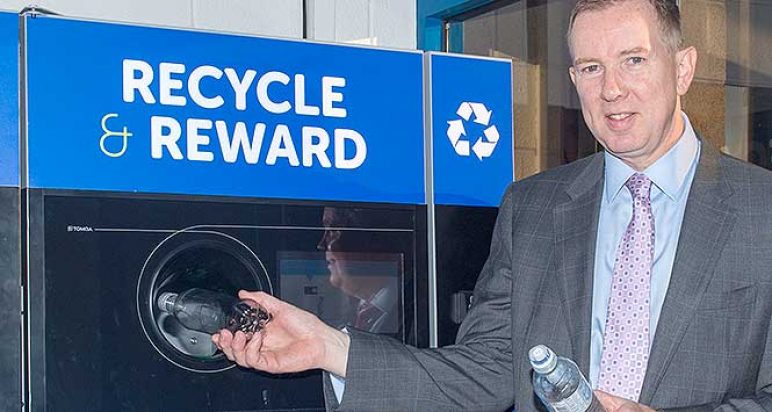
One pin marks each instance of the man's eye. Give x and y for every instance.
(636, 60)
(589, 69)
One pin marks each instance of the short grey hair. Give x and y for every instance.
(667, 12)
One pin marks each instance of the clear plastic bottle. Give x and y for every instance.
(558, 382)
(207, 311)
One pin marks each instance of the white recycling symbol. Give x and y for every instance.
(484, 145)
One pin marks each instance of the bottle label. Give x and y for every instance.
(579, 401)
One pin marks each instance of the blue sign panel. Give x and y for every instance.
(471, 109)
(9, 99)
(116, 107)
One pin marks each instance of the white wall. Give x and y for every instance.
(388, 23)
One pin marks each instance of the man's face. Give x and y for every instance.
(339, 276)
(342, 276)
(628, 82)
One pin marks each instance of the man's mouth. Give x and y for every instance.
(619, 116)
(620, 122)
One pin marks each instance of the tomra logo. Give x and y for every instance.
(484, 145)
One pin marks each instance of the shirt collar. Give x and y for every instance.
(668, 173)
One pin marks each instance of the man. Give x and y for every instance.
(650, 264)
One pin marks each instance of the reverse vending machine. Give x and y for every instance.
(163, 161)
(164, 170)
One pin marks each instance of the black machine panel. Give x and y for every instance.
(463, 243)
(10, 300)
(100, 263)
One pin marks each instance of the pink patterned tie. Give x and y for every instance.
(626, 339)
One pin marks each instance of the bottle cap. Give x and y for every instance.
(542, 358)
(166, 301)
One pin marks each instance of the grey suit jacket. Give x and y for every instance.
(712, 348)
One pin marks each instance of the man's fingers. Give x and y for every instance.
(605, 400)
(253, 356)
(603, 397)
(270, 303)
(239, 345)
(224, 343)
(612, 403)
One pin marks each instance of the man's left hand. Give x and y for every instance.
(613, 403)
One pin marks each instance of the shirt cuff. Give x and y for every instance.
(338, 386)
(338, 383)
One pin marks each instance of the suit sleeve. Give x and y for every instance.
(474, 374)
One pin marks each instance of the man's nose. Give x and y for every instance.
(322, 245)
(328, 238)
(334, 279)
(613, 87)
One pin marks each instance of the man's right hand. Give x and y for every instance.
(293, 341)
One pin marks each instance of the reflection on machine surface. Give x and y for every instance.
(117, 256)
(346, 288)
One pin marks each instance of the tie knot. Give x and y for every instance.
(639, 186)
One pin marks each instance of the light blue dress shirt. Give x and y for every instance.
(672, 176)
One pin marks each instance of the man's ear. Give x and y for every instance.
(686, 62)
(572, 75)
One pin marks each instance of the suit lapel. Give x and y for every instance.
(705, 229)
(576, 227)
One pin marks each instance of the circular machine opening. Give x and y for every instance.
(186, 260)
